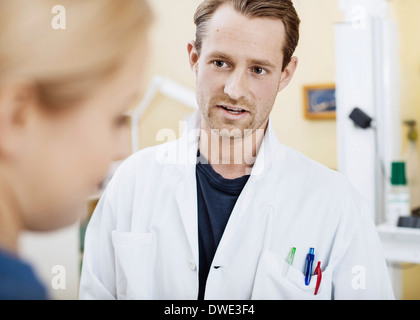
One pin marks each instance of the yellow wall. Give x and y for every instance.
(172, 29)
(407, 13)
(315, 138)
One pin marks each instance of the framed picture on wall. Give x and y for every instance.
(319, 101)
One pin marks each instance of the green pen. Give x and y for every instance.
(291, 256)
(289, 261)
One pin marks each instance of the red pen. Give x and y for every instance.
(318, 280)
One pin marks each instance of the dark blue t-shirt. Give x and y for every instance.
(216, 198)
(18, 281)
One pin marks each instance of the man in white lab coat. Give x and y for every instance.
(216, 214)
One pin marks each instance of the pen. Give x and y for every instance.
(308, 268)
(289, 261)
(291, 256)
(319, 273)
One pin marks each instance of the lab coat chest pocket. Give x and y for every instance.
(133, 263)
(275, 280)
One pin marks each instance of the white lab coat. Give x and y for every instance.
(142, 240)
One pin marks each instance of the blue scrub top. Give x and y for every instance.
(18, 280)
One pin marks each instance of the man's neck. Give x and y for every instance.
(229, 157)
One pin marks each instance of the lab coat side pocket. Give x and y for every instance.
(272, 283)
(133, 264)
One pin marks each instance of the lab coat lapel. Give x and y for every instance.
(187, 205)
(186, 190)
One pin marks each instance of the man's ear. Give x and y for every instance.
(288, 73)
(17, 103)
(192, 55)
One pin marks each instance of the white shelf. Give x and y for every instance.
(400, 244)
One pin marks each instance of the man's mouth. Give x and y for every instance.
(232, 110)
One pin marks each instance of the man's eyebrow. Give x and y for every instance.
(257, 62)
(219, 55)
(262, 63)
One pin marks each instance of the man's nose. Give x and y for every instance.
(236, 85)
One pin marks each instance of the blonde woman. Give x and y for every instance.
(63, 94)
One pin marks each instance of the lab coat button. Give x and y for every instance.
(192, 265)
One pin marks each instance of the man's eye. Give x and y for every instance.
(220, 64)
(259, 71)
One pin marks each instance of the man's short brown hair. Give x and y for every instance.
(276, 9)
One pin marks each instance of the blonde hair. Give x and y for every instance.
(66, 65)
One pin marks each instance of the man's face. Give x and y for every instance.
(239, 71)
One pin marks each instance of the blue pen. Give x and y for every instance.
(308, 268)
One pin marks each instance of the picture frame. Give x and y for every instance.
(319, 101)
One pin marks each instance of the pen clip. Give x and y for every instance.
(318, 280)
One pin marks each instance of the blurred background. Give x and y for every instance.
(363, 54)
